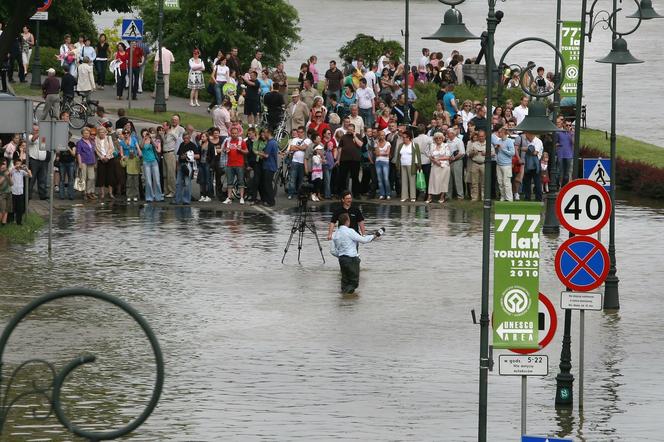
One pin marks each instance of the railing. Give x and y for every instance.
(51, 390)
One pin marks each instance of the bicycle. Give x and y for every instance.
(282, 137)
(78, 113)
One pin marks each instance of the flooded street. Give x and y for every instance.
(257, 350)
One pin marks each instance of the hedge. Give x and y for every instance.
(635, 176)
(427, 96)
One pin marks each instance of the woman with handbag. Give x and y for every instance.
(409, 162)
(85, 155)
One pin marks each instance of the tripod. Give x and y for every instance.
(300, 224)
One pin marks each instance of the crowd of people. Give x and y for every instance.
(349, 128)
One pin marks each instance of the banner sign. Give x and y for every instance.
(516, 275)
(172, 4)
(570, 47)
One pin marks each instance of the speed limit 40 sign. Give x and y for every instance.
(583, 207)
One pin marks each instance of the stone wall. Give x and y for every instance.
(475, 73)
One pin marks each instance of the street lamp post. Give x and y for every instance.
(551, 223)
(618, 55)
(35, 82)
(406, 68)
(159, 96)
(453, 30)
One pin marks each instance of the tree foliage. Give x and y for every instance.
(64, 17)
(211, 25)
(367, 47)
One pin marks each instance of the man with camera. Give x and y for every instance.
(344, 246)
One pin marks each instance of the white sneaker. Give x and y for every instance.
(128, 200)
(381, 197)
(227, 201)
(403, 200)
(135, 199)
(388, 197)
(516, 197)
(290, 197)
(241, 200)
(208, 199)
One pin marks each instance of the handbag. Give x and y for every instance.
(79, 183)
(420, 181)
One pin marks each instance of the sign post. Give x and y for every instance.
(524, 363)
(516, 275)
(582, 263)
(570, 48)
(132, 30)
(54, 136)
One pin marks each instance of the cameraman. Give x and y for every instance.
(344, 247)
(354, 214)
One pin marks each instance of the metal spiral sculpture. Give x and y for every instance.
(51, 392)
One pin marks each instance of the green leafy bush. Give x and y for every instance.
(48, 60)
(367, 47)
(427, 96)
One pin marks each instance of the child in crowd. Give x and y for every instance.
(544, 165)
(18, 174)
(132, 164)
(235, 122)
(5, 192)
(317, 161)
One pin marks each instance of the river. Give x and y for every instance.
(257, 350)
(327, 24)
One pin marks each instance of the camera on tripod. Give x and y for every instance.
(304, 192)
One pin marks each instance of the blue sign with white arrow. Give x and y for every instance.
(132, 29)
(598, 170)
(543, 439)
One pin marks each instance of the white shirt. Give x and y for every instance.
(466, 117)
(344, 242)
(425, 142)
(223, 72)
(424, 61)
(370, 76)
(381, 63)
(256, 66)
(520, 113)
(298, 155)
(365, 97)
(34, 152)
(221, 118)
(406, 154)
(358, 122)
(539, 147)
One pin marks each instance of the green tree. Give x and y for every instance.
(65, 17)
(367, 47)
(211, 25)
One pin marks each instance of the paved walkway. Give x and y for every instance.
(108, 100)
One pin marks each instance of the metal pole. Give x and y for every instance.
(52, 178)
(406, 68)
(36, 63)
(565, 379)
(160, 93)
(524, 403)
(551, 223)
(611, 295)
(131, 71)
(492, 22)
(582, 332)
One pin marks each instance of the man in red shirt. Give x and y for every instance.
(318, 124)
(236, 149)
(137, 58)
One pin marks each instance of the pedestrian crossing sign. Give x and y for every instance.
(132, 29)
(598, 170)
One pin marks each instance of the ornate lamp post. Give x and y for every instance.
(159, 96)
(536, 122)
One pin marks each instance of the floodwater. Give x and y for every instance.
(257, 350)
(327, 24)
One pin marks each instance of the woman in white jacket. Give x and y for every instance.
(86, 79)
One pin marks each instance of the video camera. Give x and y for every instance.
(304, 192)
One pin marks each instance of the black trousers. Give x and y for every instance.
(19, 208)
(267, 191)
(346, 168)
(254, 184)
(350, 273)
(18, 59)
(530, 178)
(39, 171)
(119, 86)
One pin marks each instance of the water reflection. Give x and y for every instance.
(259, 350)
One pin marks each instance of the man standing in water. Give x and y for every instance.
(344, 247)
(353, 212)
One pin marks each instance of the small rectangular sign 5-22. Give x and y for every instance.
(523, 365)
